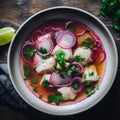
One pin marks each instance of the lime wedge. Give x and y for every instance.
(6, 35)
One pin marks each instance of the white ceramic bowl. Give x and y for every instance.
(62, 13)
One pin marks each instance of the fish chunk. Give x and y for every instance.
(45, 65)
(67, 93)
(90, 74)
(84, 53)
(68, 52)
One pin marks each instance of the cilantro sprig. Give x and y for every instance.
(45, 83)
(29, 52)
(79, 58)
(111, 8)
(27, 71)
(57, 98)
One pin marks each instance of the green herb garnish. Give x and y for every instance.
(34, 80)
(79, 58)
(45, 83)
(111, 8)
(42, 50)
(57, 98)
(88, 43)
(27, 71)
(61, 59)
(85, 76)
(35, 90)
(75, 85)
(40, 96)
(29, 52)
(91, 73)
(45, 57)
(71, 70)
(90, 89)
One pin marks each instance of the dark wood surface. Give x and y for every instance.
(14, 12)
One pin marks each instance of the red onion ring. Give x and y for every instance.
(95, 55)
(98, 43)
(79, 66)
(57, 77)
(63, 37)
(26, 59)
(68, 23)
(47, 30)
(47, 44)
(36, 35)
(81, 84)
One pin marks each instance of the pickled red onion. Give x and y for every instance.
(66, 39)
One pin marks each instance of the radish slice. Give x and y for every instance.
(31, 60)
(47, 45)
(79, 81)
(98, 55)
(36, 35)
(66, 39)
(79, 67)
(60, 80)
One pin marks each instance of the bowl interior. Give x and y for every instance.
(62, 13)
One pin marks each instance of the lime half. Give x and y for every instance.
(6, 35)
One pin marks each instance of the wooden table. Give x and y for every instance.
(14, 13)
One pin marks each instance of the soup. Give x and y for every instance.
(62, 62)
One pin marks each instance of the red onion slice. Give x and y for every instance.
(47, 44)
(66, 39)
(98, 55)
(29, 60)
(78, 66)
(36, 35)
(60, 80)
(80, 82)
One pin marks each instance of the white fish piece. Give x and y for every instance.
(84, 53)
(68, 52)
(90, 74)
(67, 93)
(46, 77)
(46, 65)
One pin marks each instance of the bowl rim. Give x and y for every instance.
(89, 14)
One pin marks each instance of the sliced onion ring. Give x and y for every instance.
(29, 60)
(81, 84)
(66, 39)
(79, 66)
(57, 81)
(98, 55)
(36, 35)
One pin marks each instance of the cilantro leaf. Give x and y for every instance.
(43, 50)
(79, 58)
(57, 98)
(45, 83)
(29, 52)
(27, 71)
(34, 80)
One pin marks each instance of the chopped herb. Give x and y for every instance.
(111, 8)
(27, 71)
(45, 83)
(88, 43)
(29, 52)
(34, 80)
(91, 73)
(90, 88)
(61, 59)
(57, 70)
(57, 98)
(35, 90)
(40, 96)
(70, 28)
(75, 85)
(42, 50)
(85, 76)
(71, 70)
(79, 58)
(45, 57)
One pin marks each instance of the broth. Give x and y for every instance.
(62, 62)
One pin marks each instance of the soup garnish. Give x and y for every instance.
(63, 62)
